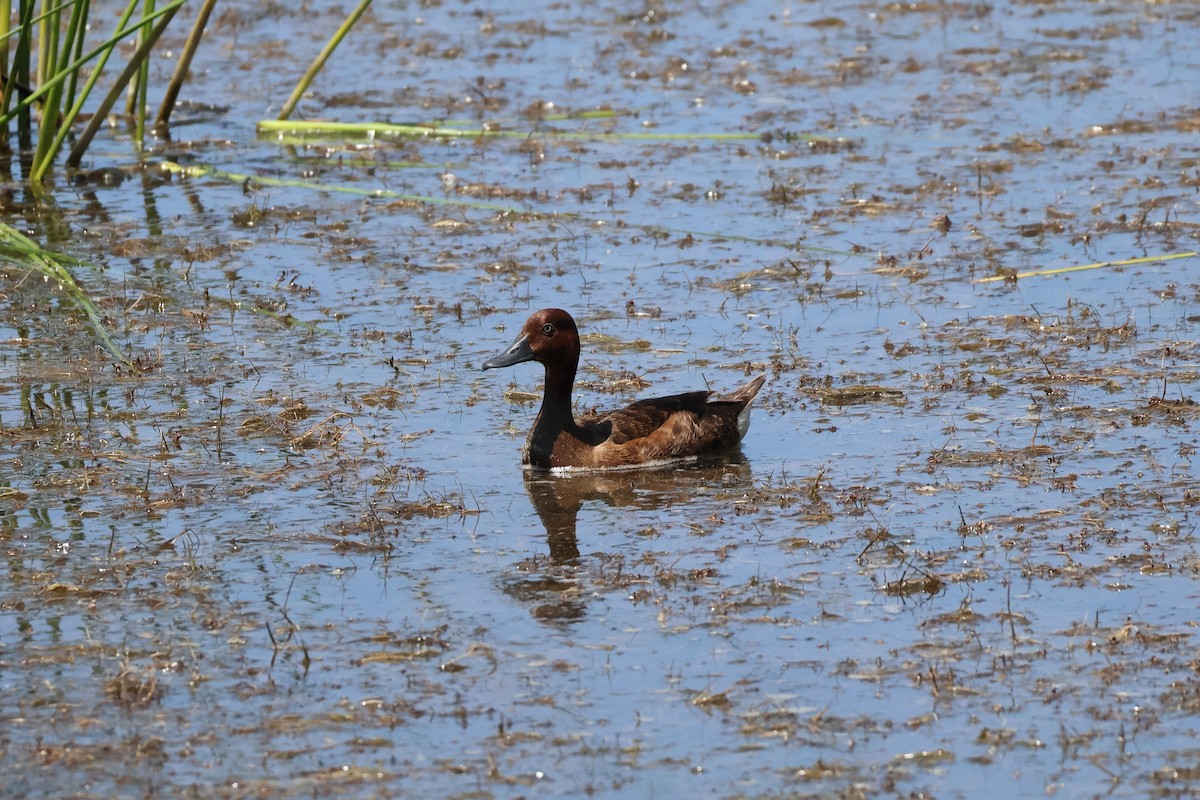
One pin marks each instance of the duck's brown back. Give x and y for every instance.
(661, 429)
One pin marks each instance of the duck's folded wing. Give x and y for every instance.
(644, 417)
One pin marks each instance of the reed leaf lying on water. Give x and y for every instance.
(16, 248)
(205, 171)
(1048, 271)
(392, 130)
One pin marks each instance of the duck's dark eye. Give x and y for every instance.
(548, 329)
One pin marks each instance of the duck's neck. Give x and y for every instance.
(554, 417)
(556, 402)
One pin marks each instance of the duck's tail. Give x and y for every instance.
(745, 395)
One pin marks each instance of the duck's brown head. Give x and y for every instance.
(548, 337)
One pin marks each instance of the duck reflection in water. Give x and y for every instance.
(616, 457)
(554, 588)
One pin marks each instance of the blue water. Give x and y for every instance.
(306, 531)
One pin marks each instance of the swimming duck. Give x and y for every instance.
(646, 433)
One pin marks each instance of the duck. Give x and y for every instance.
(647, 433)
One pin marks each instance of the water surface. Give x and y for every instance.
(296, 554)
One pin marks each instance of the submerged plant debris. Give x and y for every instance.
(288, 550)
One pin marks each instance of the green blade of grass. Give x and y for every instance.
(605, 113)
(398, 130)
(5, 31)
(138, 87)
(135, 62)
(19, 76)
(183, 65)
(47, 29)
(102, 50)
(69, 117)
(79, 42)
(52, 108)
(16, 248)
(1049, 271)
(319, 62)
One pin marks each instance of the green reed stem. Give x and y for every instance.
(101, 54)
(135, 61)
(47, 22)
(19, 75)
(53, 106)
(61, 58)
(140, 84)
(5, 30)
(76, 54)
(163, 120)
(315, 67)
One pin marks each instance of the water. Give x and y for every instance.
(298, 556)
